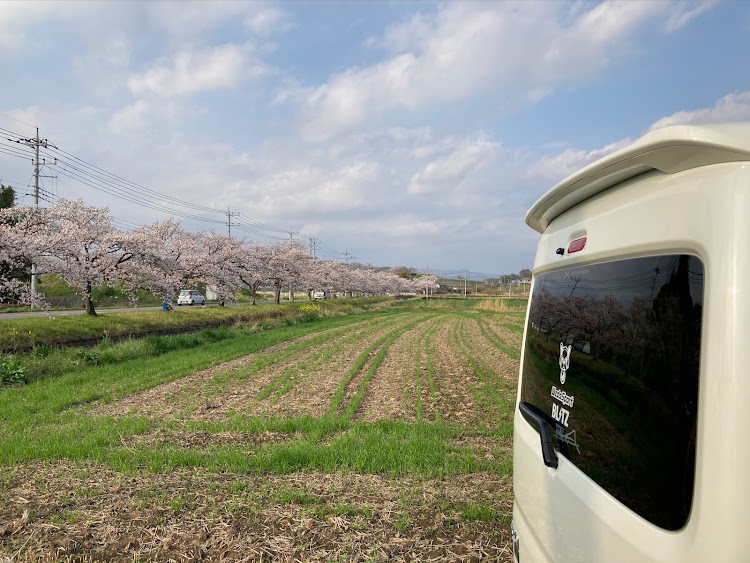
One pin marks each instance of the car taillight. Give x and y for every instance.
(577, 245)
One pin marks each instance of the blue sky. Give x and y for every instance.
(402, 133)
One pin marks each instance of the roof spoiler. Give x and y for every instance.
(669, 150)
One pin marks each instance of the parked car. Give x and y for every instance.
(190, 297)
(636, 453)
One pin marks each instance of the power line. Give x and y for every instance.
(121, 187)
(124, 186)
(64, 171)
(18, 120)
(90, 175)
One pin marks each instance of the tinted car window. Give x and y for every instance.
(612, 354)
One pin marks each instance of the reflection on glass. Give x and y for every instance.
(612, 354)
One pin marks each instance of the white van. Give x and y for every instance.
(634, 391)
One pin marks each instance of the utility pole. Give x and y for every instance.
(36, 142)
(312, 246)
(291, 289)
(229, 221)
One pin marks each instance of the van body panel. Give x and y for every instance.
(562, 514)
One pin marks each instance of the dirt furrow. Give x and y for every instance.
(510, 337)
(243, 395)
(505, 367)
(170, 400)
(455, 379)
(315, 391)
(430, 407)
(392, 391)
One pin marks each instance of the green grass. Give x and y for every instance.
(493, 385)
(22, 335)
(292, 375)
(496, 340)
(44, 361)
(47, 420)
(475, 512)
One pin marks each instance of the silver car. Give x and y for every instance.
(190, 297)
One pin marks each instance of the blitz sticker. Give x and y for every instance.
(560, 414)
(564, 361)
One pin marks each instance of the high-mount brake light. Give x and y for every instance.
(577, 245)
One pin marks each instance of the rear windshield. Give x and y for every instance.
(612, 354)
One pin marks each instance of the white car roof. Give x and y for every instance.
(670, 150)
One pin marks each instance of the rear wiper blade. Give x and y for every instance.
(536, 416)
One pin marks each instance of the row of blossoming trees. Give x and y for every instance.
(81, 245)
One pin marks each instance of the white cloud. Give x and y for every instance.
(214, 68)
(305, 188)
(447, 173)
(188, 21)
(268, 21)
(518, 52)
(405, 36)
(556, 168)
(17, 17)
(730, 108)
(684, 12)
(130, 117)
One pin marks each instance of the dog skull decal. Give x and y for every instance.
(564, 360)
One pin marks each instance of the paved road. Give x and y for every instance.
(69, 312)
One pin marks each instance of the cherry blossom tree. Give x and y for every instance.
(427, 283)
(250, 260)
(80, 244)
(218, 266)
(163, 258)
(75, 241)
(282, 263)
(19, 226)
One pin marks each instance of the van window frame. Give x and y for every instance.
(576, 352)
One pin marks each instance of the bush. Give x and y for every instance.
(309, 313)
(12, 370)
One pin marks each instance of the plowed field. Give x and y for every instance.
(384, 438)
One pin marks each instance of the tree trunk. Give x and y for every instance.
(277, 287)
(88, 303)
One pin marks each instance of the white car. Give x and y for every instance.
(190, 297)
(630, 426)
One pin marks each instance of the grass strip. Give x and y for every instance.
(385, 342)
(495, 339)
(424, 342)
(489, 384)
(285, 382)
(23, 334)
(384, 447)
(430, 370)
(418, 376)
